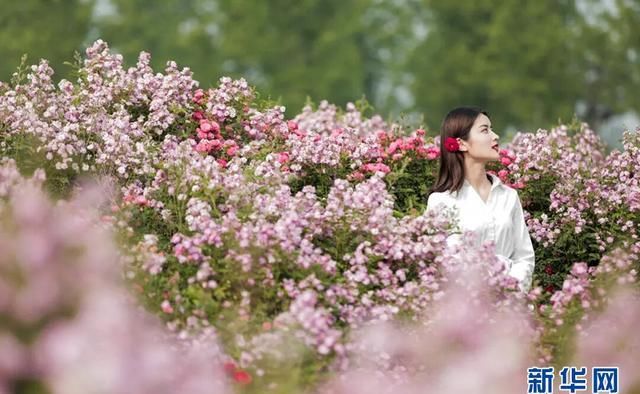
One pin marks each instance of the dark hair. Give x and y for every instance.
(457, 124)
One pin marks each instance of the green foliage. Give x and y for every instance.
(536, 196)
(320, 42)
(26, 150)
(49, 29)
(514, 59)
(321, 176)
(169, 30)
(409, 182)
(29, 385)
(554, 261)
(608, 47)
(276, 51)
(342, 241)
(559, 339)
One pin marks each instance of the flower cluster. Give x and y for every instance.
(68, 325)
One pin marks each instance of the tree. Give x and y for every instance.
(295, 49)
(49, 29)
(288, 49)
(610, 51)
(516, 60)
(180, 30)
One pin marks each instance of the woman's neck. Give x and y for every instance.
(476, 175)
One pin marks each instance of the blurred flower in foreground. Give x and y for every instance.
(66, 324)
(467, 342)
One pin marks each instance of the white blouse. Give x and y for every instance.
(500, 219)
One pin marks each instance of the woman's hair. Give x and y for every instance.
(457, 124)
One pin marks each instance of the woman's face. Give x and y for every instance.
(482, 144)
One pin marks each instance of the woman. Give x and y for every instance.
(484, 204)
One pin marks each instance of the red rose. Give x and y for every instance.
(451, 144)
(242, 377)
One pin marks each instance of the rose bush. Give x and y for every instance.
(284, 238)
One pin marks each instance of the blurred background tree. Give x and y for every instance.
(301, 48)
(49, 29)
(529, 64)
(186, 31)
(516, 60)
(608, 43)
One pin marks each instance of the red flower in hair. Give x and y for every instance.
(451, 144)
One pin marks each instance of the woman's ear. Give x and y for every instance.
(463, 145)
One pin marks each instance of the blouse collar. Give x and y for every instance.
(495, 183)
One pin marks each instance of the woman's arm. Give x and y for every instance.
(523, 256)
(431, 202)
(436, 202)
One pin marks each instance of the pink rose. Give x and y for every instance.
(393, 147)
(202, 134)
(198, 96)
(215, 144)
(205, 126)
(203, 146)
(383, 167)
(283, 157)
(141, 200)
(166, 307)
(198, 115)
(358, 176)
(433, 153)
(232, 150)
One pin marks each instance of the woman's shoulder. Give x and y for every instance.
(439, 194)
(439, 201)
(510, 191)
(440, 197)
(512, 196)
